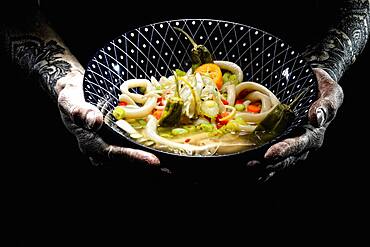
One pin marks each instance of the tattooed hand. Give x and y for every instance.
(83, 120)
(287, 152)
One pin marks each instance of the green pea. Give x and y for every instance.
(179, 131)
(206, 127)
(239, 107)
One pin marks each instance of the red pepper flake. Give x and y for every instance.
(225, 102)
(219, 123)
(187, 140)
(160, 101)
(122, 103)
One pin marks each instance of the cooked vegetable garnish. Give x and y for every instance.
(209, 108)
(212, 70)
(172, 111)
(277, 120)
(239, 107)
(119, 113)
(199, 54)
(254, 107)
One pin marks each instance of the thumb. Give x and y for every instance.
(330, 99)
(321, 112)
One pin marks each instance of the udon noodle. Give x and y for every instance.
(208, 111)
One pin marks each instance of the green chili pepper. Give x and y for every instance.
(199, 54)
(276, 121)
(173, 109)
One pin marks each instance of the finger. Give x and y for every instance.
(134, 155)
(311, 139)
(330, 99)
(286, 163)
(95, 162)
(271, 170)
(81, 113)
(92, 145)
(253, 163)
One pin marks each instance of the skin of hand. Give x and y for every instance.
(83, 120)
(287, 152)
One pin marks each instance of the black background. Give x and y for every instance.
(50, 180)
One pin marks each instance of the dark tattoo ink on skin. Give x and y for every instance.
(40, 58)
(343, 43)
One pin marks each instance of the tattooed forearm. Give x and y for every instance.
(41, 59)
(339, 49)
(28, 40)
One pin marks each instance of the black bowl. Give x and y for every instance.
(157, 49)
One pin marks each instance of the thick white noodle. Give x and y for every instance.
(127, 99)
(151, 132)
(149, 99)
(230, 89)
(232, 67)
(132, 83)
(252, 86)
(126, 126)
(154, 81)
(258, 92)
(258, 96)
(143, 111)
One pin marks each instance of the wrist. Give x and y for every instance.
(73, 78)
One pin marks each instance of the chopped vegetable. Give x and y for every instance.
(173, 109)
(206, 127)
(157, 114)
(281, 116)
(239, 101)
(224, 102)
(226, 76)
(122, 103)
(233, 125)
(166, 135)
(190, 128)
(179, 131)
(213, 71)
(199, 54)
(219, 122)
(119, 113)
(254, 107)
(228, 115)
(179, 72)
(136, 135)
(240, 120)
(209, 108)
(230, 78)
(239, 107)
(195, 95)
(160, 101)
(232, 68)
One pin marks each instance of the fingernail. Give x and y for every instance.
(90, 119)
(320, 116)
(253, 163)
